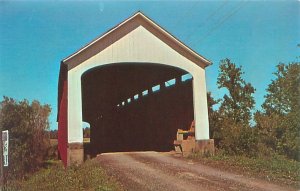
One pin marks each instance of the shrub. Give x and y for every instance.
(29, 141)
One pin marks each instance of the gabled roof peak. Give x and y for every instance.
(142, 19)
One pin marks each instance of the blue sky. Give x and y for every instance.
(37, 35)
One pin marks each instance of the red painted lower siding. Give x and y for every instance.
(63, 124)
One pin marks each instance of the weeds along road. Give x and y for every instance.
(163, 171)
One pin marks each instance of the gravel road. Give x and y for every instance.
(163, 171)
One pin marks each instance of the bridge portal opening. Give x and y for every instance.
(136, 106)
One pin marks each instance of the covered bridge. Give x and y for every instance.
(135, 85)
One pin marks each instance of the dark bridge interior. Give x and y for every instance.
(136, 107)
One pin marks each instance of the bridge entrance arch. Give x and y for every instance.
(136, 106)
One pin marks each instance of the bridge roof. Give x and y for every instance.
(125, 27)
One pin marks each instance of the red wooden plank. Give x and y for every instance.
(63, 124)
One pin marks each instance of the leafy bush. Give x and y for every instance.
(238, 140)
(29, 142)
(279, 121)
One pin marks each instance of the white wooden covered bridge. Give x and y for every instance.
(109, 84)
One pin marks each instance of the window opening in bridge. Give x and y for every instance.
(170, 82)
(145, 93)
(123, 103)
(156, 88)
(186, 77)
(118, 105)
(86, 132)
(85, 125)
(136, 96)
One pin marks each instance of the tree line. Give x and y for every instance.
(275, 129)
(86, 133)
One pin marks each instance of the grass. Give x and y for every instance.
(277, 169)
(88, 176)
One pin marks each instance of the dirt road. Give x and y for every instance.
(163, 171)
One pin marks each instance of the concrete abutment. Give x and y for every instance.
(75, 154)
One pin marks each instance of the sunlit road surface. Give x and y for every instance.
(162, 171)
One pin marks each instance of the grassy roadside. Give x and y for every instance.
(88, 176)
(277, 169)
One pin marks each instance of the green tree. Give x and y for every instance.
(233, 127)
(279, 122)
(239, 101)
(29, 141)
(284, 90)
